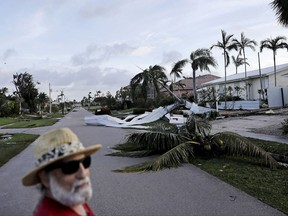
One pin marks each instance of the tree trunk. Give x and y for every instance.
(246, 90)
(279, 158)
(274, 59)
(225, 106)
(194, 87)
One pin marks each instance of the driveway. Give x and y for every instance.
(183, 191)
(245, 126)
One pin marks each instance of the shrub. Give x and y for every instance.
(103, 111)
(138, 111)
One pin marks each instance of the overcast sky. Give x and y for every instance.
(83, 46)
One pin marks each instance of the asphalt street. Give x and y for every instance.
(183, 191)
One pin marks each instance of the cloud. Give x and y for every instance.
(84, 79)
(172, 56)
(8, 53)
(98, 54)
(140, 51)
(33, 26)
(90, 11)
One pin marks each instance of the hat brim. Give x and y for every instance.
(32, 177)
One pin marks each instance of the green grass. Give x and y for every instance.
(12, 147)
(8, 120)
(29, 121)
(269, 186)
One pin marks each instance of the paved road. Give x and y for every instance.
(182, 191)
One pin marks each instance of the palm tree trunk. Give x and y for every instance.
(246, 90)
(225, 106)
(274, 59)
(279, 158)
(194, 86)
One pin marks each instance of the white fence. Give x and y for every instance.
(236, 105)
(277, 97)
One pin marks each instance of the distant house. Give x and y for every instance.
(256, 81)
(185, 86)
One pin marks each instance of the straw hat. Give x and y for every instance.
(54, 146)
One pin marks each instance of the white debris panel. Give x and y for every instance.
(133, 121)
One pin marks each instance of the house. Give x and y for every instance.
(258, 82)
(185, 86)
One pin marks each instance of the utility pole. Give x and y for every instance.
(262, 93)
(62, 100)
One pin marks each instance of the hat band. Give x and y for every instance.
(63, 150)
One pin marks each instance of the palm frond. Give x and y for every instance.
(198, 126)
(173, 158)
(238, 145)
(128, 146)
(133, 154)
(161, 127)
(154, 140)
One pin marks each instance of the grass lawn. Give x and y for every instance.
(12, 147)
(8, 120)
(269, 186)
(29, 121)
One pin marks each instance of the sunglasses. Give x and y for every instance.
(70, 167)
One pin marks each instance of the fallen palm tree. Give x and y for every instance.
(175, 146)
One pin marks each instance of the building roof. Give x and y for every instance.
(188, 82)
(250, 74)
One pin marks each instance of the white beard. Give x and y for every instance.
(72, 197)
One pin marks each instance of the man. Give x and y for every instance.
(62, 170)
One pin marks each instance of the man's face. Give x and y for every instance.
(71, 189)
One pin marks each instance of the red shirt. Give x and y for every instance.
(50, 207)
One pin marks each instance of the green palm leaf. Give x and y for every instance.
(172, 158)
(158, 141)
(128, 146)
(198, 127)
(238, 145)
(133, 154)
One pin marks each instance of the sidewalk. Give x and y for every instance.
(183, 191)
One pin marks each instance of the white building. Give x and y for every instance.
(256, 80)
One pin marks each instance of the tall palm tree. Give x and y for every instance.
(274, 44)
(177, 69)
(281, 8)
(238, 61)
(148, 77)
(200, 59)
(242, 44)
(226, 45)
(176, 146)
(177, 72)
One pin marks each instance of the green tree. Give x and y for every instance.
(26, 89)
(177, 146)
(274, 44)
(176, 72)
(200, 59)
(3, 102)
(177, 68)
(238, 61)
(281, 8)
(43, 99)
(123, 94)
(148, 78)
(242, 44)
(226, 45)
